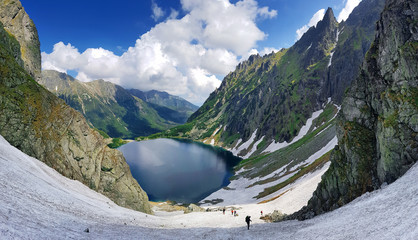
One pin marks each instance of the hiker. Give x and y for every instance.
(261, 212)
(232, 212)
(248, 220)
(223, 211)
(235, 213)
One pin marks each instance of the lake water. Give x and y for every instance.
(179, 170)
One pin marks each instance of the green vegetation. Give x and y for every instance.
(310, 168)
(117, 142)
(391, 120)
(103, 133)
(116, 111)
(106, 169)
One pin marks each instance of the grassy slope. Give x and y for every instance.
(107, 107)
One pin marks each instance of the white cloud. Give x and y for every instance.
(174, 14)
(314, 20)
(157, 12)
(268, 50)
(349, 6)
(180, 56)
(265, 51)
(265, 12)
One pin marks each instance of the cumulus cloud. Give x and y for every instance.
(157, 12)
(180, 56)
(174, 14)
(349, 6)
(314, 20)
(266, 13)
(253, 51)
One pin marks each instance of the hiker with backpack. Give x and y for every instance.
(248, 220)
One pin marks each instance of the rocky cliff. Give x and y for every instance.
(378, 124)
(353, 41)
(43, 126)
(17, 22)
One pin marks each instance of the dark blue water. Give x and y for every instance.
(178, 170)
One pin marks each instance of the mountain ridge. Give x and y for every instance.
(271, 97)
(113, 109)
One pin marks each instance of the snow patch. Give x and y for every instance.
(216, 131)
(253, 149)
(315, 156)
(302, 132)
(330, 59)
(245, 145)
(332, 53)
(243, 194)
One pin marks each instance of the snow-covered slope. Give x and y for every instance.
(38, 203)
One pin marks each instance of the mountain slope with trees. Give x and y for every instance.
(114, 110)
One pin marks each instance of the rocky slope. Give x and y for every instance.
(17, 22)
(378, 125)
(354, 38)
(271, 97)
(43, 126)
(111, 108)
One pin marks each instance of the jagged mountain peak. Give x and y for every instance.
(17, 22)
(267, 99)
(377, 125)
(319, 40)
(329, 16)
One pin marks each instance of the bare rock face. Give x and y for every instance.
(43, 126)
(378, 124)
(17, 22)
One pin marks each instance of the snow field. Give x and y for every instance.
(38, 203)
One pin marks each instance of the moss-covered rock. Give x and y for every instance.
(17, 23)
(377, 127)
(43, 126)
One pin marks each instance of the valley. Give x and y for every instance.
(44, 203)
(314, 141)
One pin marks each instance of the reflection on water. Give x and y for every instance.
(179, 170)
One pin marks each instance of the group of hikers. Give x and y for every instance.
(247, 218)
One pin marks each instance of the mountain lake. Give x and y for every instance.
(179, 170)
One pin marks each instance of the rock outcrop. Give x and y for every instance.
(354, 39)
(43, 126)
(378, 123)
(17, 22)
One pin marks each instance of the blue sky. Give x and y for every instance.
(184, 47)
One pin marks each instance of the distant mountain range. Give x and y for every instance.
(116, 111)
